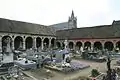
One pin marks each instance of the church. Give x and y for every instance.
(23, 35)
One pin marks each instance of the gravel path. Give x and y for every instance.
(40, 74)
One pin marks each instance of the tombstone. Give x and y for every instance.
(8, 47)
(8, 55)
(30, 52)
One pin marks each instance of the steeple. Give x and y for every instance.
(72, 15)
(72, 21)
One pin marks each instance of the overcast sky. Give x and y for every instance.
(48, 12)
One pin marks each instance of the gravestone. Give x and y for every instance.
(8, 47)
(8, 55)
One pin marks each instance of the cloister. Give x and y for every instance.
(24, 41)
(109, 44)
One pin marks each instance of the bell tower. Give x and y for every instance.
(72, 21)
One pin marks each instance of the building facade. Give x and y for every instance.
(22, 35)
(96, 37)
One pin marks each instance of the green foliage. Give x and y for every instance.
(94, 73)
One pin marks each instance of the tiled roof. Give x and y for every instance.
(104, 31)
(7, 25)
(60, 26)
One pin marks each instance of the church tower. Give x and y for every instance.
(72, 22)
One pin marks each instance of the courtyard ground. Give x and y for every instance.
(39, 74)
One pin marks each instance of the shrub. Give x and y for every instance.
(94, 73)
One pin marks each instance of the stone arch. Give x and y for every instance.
(18, 42)
(6, 44)
(98, 45)
(109, 45)
(46, 43)
(58, 44)
(38, 42)
(87, 44)
(71, 44)
(118, 44)
(29, 42)
(52, 42)
(78, 45)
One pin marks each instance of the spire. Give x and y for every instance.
(72, 15)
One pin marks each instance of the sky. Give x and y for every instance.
(47, 12)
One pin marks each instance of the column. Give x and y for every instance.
(103, 46)
(50, 42)
(0, 44)
(24, 43)
(34, 42)
(13, 44)
(92, 46)
(83, 45)
(73, 45)
(114, 45)
(42, 44)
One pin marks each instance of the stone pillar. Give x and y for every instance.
(73, 45)
(42, 44)
(24, 43)
(34, 42)
(0, 44)
(114, 44)
(49, 43)
(92, 46)
(83, 45)
(103, 46)
(13, 47)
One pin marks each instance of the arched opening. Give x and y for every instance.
(38, 42)
(109, 46)
(6, 44)
(87, 44)
(78, 45)
(118, 44)
(29, 42)
(18, 42)
(71, 44)
(58, 44)
(46, 43)
(52, 42)
(97, 46)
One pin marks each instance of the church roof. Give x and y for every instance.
(103, 31)
(13, 26)
(60, 26)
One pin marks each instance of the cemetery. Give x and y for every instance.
(14, 63)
